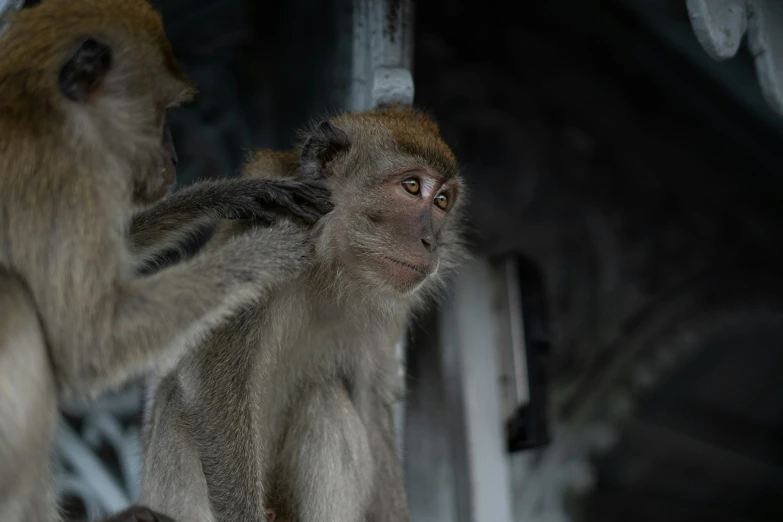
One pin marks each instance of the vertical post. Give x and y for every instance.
(469, 338)
(381, 75)
(382, 53)
(479, 392)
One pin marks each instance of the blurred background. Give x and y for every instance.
(623, 320)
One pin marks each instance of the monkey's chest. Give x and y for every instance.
(320, 357)
(308, 360)
(285, 376)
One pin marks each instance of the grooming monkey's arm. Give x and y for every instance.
(118, 328)
(176, 222)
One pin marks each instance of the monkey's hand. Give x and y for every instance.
(138, 514)
(266, 200)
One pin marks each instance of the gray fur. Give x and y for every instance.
(176, 228)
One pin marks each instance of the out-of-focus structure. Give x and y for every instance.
(721, 25)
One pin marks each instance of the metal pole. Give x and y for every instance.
(381, 75)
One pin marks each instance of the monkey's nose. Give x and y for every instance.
(428, 243)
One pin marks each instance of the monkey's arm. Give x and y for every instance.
(389, 503)
(173, 479)
(180, 225)
(104, 328)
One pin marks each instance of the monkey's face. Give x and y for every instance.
(408, 212)
(162, 175)
(396, 190)
(387, 232)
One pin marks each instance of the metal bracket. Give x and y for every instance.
(79, 455)
(523, 347)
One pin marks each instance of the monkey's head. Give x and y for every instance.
(104, 71)
(397, 193)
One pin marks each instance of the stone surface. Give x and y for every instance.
(719, 26)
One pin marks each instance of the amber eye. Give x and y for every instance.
(442, 200)
(412, 185)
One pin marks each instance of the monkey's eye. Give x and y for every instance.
(412, 186)
(442, 200)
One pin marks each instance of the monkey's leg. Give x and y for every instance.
(326, 460)
(28, 409)
(389, 502)
(173, 481)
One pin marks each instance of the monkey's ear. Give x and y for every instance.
(323, 146)
(84, 72)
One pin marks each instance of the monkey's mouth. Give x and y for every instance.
(410, 267)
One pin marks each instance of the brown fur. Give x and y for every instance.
(288, 406)
(271, 164)
(413, 132)
(74, 153)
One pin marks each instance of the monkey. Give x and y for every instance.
(285, 411)
(85, 86)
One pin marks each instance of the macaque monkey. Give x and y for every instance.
(84, 90)
(285, 411)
